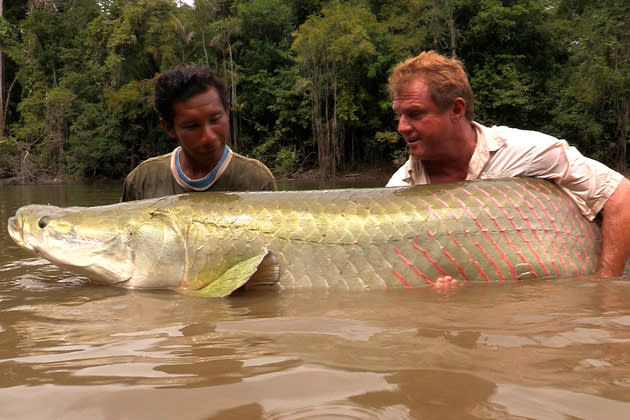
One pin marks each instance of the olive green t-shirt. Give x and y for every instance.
(153, 178)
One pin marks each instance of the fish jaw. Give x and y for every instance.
(15, 232)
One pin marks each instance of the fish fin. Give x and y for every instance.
(260, 270)
(267, 274)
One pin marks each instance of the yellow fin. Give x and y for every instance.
(260, 270)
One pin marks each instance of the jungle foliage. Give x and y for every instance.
(307, 77)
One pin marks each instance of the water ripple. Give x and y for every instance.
(341, 411)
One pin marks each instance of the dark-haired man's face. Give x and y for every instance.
(201, 125)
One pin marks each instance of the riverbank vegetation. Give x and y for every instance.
(307, 77)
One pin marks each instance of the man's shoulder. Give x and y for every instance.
(501, 137)
(517, 135)
(246, 161)
(156, 164)
(245, 173)
(153, 169)
(162, 160)
(241, 162)
(151, 178)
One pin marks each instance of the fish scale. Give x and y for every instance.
(494, 230)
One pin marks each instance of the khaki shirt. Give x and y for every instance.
(508, 152)
(154, 178)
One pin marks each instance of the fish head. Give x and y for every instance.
(120, 244)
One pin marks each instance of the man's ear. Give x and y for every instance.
(459, 108)
(168, 128)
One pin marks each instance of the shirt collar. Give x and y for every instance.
(487, 144)
(204, 183)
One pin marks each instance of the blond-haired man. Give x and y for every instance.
(434, 101)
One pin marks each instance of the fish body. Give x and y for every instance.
(214, 243)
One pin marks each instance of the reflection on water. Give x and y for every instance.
(533, 350)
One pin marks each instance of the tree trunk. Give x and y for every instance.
(623, 129)
(3, 113)
(235, 110)
(452, 34)
(335, 138)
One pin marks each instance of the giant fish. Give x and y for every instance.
(211, 244)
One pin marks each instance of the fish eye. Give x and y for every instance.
(43, 222)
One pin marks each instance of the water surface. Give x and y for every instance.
(548, 350)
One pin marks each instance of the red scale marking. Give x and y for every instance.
(548, 192)
(577, 219)
(445, 252)
(532, 229)
(520, 232)
(475, 262)
(589, 233)
(492, 241)
(448, 233)
(458, 265)
(592, 246)
(546, 230)
(427, 256)
(478, 245)
(492, 261)
(577, 247)
(556, 229)
(505, 236)
(413, 267)
(564, 224)
(432, 262)
(401, 278)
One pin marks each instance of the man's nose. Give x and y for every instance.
(403, 124)
(208, 132)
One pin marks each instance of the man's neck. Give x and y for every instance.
(455, 166)
(196, 170)
(439, 172)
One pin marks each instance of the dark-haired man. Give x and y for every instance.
(193, 105)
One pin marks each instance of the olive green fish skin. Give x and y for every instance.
(500, 230)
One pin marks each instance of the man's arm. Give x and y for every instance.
(616, 232)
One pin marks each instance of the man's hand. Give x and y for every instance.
(446, 281)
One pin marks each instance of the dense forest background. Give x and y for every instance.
(307, 77)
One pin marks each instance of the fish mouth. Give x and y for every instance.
(15, 232)
(14, 229)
